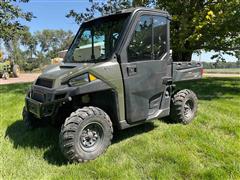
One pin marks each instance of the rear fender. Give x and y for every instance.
(184, 71)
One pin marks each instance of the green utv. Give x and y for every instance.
(117, 73)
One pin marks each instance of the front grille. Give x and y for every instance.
(38, 96)
(45, 82)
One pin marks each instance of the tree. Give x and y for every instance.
(9, 19)
(102, 8)
(34, 50)
(196, 24)
(21, 47)
(52, 41)
(209, 25)
(11, 30)
(14, 52)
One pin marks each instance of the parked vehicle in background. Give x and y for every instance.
(7, 67)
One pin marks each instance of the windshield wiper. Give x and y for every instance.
(88, 61)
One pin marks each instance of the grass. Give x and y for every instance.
(208, 148)
(223, 71)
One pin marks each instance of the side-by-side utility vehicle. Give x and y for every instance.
(117, 73)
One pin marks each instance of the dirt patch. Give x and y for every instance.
(24, 77)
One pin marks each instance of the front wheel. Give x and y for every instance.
(183, 106)
(86, 134)
(5, 75)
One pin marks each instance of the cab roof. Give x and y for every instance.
(133, 11)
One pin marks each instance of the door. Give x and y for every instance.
(146, 67)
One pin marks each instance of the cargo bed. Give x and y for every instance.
(184, 71)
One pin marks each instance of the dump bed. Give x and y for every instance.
(183, 71)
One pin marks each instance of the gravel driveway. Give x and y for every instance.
(24, 77)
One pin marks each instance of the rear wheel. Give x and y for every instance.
(183, 106)
(86, 134)
(16, 70)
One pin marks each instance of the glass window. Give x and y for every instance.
(160, 36)
(140, 47)
(97, 39)
(149, 40)
(83, 50)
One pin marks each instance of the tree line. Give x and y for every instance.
(221, 65)
(36, 50)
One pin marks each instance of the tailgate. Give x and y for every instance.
(183, 71)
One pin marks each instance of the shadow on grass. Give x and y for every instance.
(213, 88)
(47, 138)
(133, 131)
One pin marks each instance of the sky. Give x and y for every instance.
(50, 14)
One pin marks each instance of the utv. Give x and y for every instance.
(117, 73)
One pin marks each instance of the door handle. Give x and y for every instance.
(132, 70)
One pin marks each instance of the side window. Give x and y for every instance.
(140, 47)
(160, 36)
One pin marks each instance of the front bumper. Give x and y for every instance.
(44, 102)
(41, 110)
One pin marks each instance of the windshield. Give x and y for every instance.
(96, 40)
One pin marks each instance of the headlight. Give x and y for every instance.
(82, 79)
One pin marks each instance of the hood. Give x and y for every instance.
(64, 71)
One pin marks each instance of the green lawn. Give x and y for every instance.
(223, 71)
(209, 148)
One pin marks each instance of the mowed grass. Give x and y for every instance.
(223, 71)
(208, 148)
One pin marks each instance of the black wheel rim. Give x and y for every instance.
(91, 136)
(188, 109)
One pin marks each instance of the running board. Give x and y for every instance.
(160, 113)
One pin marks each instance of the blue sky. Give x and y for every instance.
(50, 14)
